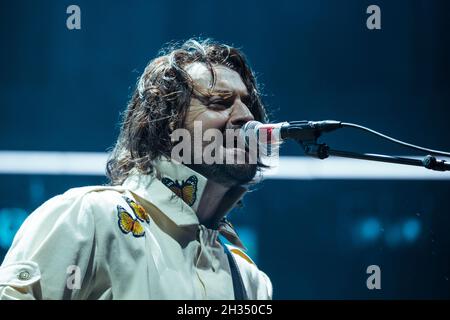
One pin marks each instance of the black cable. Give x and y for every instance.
(412, 146)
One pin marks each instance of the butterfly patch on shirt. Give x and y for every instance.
(128, 224)
(186, 190)
(138, 210)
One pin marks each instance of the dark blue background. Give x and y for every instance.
(63, 90)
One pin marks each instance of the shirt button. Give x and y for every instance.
(24, 275)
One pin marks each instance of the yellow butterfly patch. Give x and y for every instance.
(187, 190)
(128, 224)
(138, 210)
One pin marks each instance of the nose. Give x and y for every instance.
(240, 114)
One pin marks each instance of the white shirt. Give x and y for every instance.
(135, 241)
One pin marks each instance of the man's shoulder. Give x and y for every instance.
(96, 199)
(98, 207)
(256, 281)
(241, 256)
(93, 192)
(81, 200)
(75, 212)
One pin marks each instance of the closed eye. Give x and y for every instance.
(220, 103)
(216, 102)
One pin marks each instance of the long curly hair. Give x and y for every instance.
(161, 99)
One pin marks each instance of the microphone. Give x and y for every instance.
(275, 133)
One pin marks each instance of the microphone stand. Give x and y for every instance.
(323, 151)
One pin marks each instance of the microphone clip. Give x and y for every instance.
(316, 150)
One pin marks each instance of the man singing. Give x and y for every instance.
(153, 233)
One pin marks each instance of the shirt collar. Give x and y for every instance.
(176, 190)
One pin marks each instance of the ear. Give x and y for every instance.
(171, 126)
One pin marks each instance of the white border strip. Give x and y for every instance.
(54, 163)
(295, 168)
(306, 168)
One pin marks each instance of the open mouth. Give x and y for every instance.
(237, 150)
(237, 143)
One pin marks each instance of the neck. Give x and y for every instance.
(213, 195)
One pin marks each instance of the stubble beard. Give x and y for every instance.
(227, 174)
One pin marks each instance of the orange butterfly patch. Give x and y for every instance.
(138, 210)
(187, 190)
(128, 224)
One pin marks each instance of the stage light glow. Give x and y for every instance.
(370, 229)
(411, 229)
(10, 221)
(293, 168)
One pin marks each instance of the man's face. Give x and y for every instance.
(226, 110)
